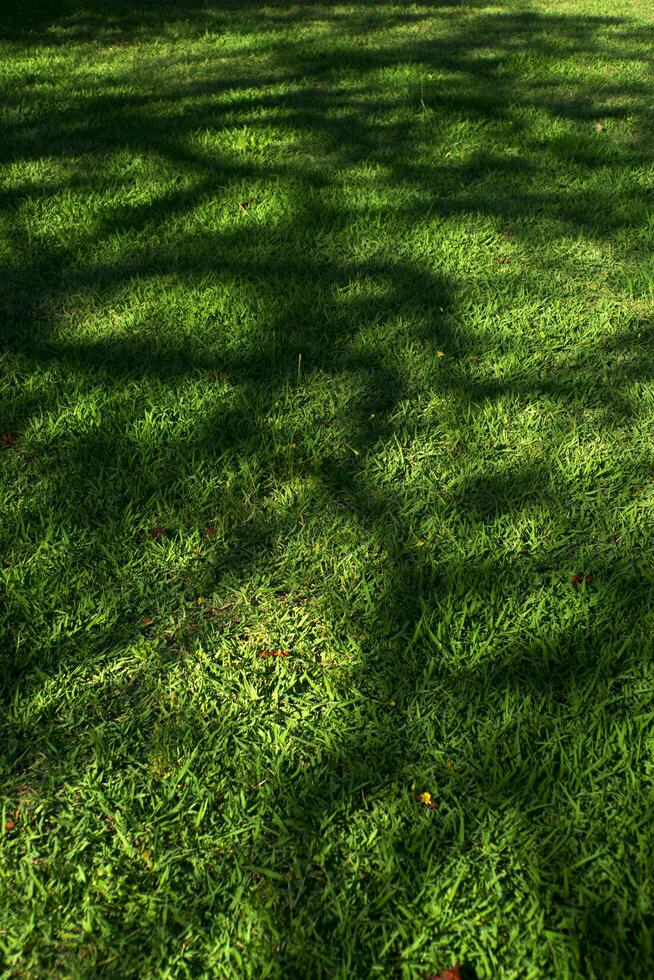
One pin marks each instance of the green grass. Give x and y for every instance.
(354, 300)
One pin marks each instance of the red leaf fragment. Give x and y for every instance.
(454, 973)
(7, 439)
(274, 653)
(211, 532)
(157, 532)
(9, 824)
(578, 580)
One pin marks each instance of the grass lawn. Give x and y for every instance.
(327, 481)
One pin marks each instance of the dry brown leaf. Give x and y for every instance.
(247, 203)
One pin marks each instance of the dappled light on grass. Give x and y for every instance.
(327, 397)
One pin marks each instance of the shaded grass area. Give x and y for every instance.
(355, 303)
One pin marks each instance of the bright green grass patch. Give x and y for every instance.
(355, 302)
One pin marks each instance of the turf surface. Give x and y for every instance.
(327, 331)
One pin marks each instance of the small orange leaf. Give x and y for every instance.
(427, 799)
(146, 621)
(274, 653)
(9, 824)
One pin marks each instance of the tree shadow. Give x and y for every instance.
(474, 79)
